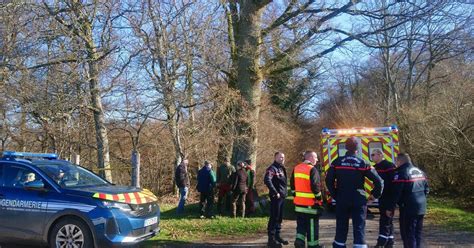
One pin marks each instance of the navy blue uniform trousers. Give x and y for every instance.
(385, 228)
(307, 228)
(358, 214)
(411, 227)
(276, 216)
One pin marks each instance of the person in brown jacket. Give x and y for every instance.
(239, 189)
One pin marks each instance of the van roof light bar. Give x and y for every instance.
(13, 154)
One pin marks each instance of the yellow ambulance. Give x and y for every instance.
(333, 146)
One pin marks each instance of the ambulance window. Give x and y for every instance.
(341, 149)
(374, 145)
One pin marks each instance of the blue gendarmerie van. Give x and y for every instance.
(47, 201)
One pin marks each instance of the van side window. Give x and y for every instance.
(18, 177)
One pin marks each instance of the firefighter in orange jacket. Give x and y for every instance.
(306, 184)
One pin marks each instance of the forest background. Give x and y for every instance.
(210, 80)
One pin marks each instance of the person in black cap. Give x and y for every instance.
(351, 198)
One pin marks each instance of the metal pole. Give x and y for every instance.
(76, 158)
(135, 169)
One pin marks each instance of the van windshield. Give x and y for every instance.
(68, 175)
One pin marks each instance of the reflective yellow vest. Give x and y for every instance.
(304, 196)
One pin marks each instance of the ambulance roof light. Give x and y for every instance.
(13, 154)
(394, 127)
(325, 130)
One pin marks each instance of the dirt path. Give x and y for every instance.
(433, 236)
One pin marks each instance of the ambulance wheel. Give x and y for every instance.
(70, 232)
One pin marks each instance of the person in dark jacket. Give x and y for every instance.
(276, 181)
(410, 191)
(386, 170)
(306, 184)
(250, 196)
(351, 198)
(182, 182)
(239, 189)
(206, 183)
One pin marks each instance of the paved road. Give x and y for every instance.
(434, 236)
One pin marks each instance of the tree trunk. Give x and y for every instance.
(103, 150)
(250, 77)
(103, 158)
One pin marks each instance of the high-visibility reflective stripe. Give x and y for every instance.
(306, 210)
(301, 236)
(301, 175)
(311, 227)
(131, 198)
(339, 243)
(383, 236)
(305, 195)
(359, 246)
(109, 197)
(313, 243)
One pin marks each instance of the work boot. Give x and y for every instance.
(389, 244)
(281, 240)
(273, 243)
(299, 243)
(380, 244)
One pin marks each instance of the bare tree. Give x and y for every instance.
(310, 22)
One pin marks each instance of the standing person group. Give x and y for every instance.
(351, 198)
(402, 184)
(233, 185)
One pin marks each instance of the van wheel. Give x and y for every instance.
(70, 232)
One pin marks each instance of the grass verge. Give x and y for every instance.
(443, 212)
(189, 227)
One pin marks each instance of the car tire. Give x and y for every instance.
(70, 231)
